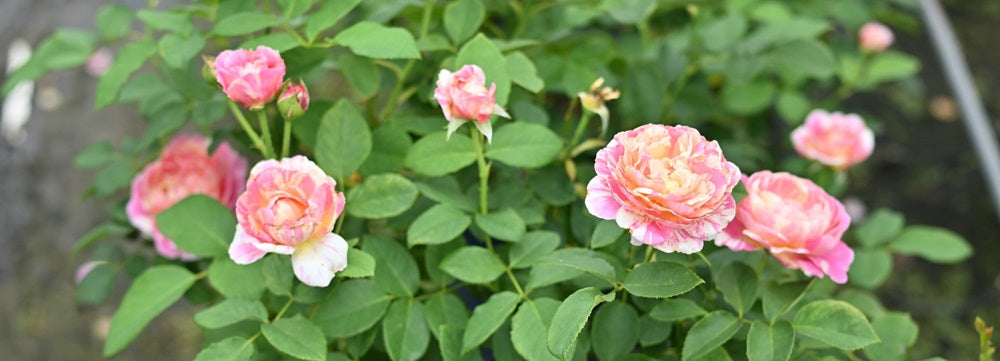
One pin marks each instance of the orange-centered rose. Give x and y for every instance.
(669, 186)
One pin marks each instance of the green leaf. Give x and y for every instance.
(462, 18)
(723, 33)
(836, 323)
(199, 224)
(115, 176)
(891, 65)
(99, 232)
(793, 107)
(176, 22)
(897, 332)
(606, 233)
(343, 141)
(244, 23)
(95, 155)
(569, 320)
(113, 21)
(523, 72)
(278, 274)
(446, 190)
(230, 311)
(236, 281)
(487, 318)
(738, 284)
(674, 309)
(473, 264)
(871, 267)
(438, 224)
(808, 57)
(362, 74)
(747, 98)
(525, 145)
(66, 48)
(482, 52)
(96, 285)
(653, 332)
(534, 246)
(374, 40)
(934, 244)
(504, 224)
(231, 349)
(709, 333)
(880, 227)
(359, 264)
(381, 196)
(864, 301)
(450, 343)
(446, 309)
(351, 308)
(544, 274)
(177, 51)
(152, 292)
(129, 59)
(581, 259)
(615, 331)
(552, 185)
(292, 9)
(404, 330)
(529, 328)
(780, 298)
(396, 272)
(434, 155)
(661, 280)
(278, 41)
(297, 337)
(327, 15)
(390, 145)
(770, 343)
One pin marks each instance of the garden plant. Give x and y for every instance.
(497, 180)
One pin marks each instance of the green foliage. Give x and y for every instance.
(472, 243)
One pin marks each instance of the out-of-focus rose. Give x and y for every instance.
(463, 97)
(85, 270)
(250, 77)
(594, 101)
(835, 139)
(875, 37)
(290, 207)
(293, 101)
(99, 62)
(184, 168)
(668, 185)
(796, 221)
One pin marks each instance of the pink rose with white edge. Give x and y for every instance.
(668, 185)
(463, 97)
(250, 77)
(290, 207)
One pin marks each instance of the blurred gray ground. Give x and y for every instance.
(42, 213)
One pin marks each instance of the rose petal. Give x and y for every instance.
(316, 261)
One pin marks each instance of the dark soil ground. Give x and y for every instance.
(923, 167)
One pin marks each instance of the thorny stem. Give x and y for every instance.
(257, 142)
(283, 309)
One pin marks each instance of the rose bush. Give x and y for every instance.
(537, 237)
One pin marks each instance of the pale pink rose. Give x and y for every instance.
(463, 97)
(99, 62)
(835, 139)
(184, 168)
(668, 185)
(290, 207)
(875, 37)
(250, 77)
(796, 221)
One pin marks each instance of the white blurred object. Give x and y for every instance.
(856, 209)
(17, 104)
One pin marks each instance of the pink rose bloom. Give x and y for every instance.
(837, 140)
(99, 62)
(795, 220)
(290, 207)
(250, 77)
(463, 97)
(875, 37)
(669, 186)
(184, 168)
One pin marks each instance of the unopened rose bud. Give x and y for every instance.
(293, 101)
(875, 37)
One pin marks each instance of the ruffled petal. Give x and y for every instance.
(243, 250)
(316, 261)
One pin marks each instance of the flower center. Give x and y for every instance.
(287, 210)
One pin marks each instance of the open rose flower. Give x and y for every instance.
(290, 207)
(184, 168)
(875, 37)
(794, 220)
(463, 97)
(250, 77)
(669, 186)
(835, 139)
